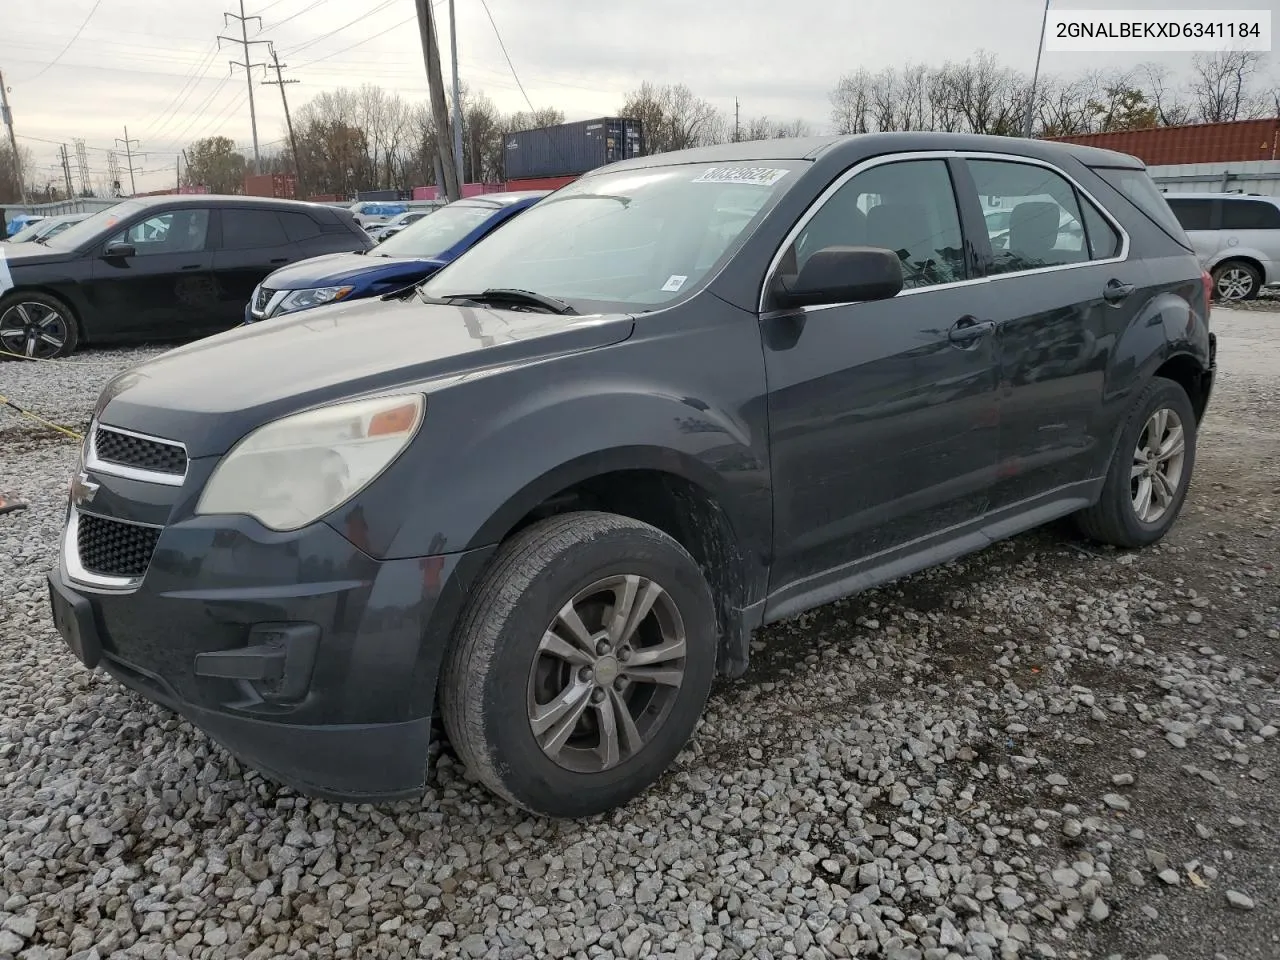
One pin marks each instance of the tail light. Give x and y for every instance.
(1207, 280)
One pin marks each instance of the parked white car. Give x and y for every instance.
(1236, 236)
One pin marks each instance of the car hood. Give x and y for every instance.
(32, 254)
(339, 268)
(210, 393)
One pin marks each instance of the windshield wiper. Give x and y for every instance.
(507, 295)
(625, 201)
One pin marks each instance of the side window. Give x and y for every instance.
(1045, 227)
(908, 207)
(298, 226)
(174, 231)
(1104, 240)
(1192, 214)
(251, 229)
(1250, 215)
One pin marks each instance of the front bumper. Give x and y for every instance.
(303, 656)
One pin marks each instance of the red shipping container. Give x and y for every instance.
(1229, 142)
(281, 186)
(540, 183)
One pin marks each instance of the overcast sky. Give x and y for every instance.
(152, 64)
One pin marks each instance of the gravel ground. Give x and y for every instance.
(1045, 750)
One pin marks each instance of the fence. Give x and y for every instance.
(1252, 176)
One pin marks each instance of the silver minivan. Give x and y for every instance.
(1236, 236)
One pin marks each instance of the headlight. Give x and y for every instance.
(293, 471)
(315, 297)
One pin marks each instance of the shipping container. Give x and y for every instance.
(1228, 142)
(571, 148)
(280, 186)
(387, 196)
(468, 190)
(539, 183)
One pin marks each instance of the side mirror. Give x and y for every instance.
(842, 275)
(119, 248)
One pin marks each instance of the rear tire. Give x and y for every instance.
(1150, 471)
(581, 664)
(36, 326)
(1235, 281)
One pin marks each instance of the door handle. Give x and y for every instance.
(191, 266)
(1115, 291)
(280, 260)
(968, 330)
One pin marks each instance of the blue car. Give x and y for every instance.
(401, 261)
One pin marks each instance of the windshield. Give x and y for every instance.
(29, 232)
(632, 239)
(78, 234)
(437, 233)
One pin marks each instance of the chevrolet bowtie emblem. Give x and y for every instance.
(83, 490)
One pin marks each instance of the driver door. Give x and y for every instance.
(164, 288)
(883, 420)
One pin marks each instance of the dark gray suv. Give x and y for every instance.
(550, 492)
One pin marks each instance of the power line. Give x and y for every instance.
(188, 88)
(328, 56)
(293, 143)
(497, 33)
(281, 23)
(73, 39)
(325, 36)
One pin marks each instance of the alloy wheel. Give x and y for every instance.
(1157, 465)
(33, 329)
(606, 673)
(1235, 283)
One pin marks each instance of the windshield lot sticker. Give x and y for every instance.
(674, 283)
(6, 281)
(759, 176)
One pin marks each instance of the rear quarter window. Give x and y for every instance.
(1250, 215)
(1137, 187)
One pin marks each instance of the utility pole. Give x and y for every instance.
(7, 116)
(439, 110)
(1035, 77)
(457, 94)
(66, 169)
(293, 143)
(128, 153)
(177, 176)
(246, 43)
(736, 135)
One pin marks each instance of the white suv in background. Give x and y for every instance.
(1236, 236)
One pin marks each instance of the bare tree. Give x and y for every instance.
(1221, 86)
(851, 102)
(1172, 108)
(673, 118)
(10, 188)
(991, 98)
(764, 128)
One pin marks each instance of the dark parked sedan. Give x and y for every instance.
(157, 268)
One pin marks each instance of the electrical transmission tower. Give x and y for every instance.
(246, 43)
(113, 173)
(82, 165)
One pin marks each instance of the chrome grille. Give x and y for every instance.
(114, 548)
(140, 453)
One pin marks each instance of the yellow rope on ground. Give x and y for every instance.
(5, 401)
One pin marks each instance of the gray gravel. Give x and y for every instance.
(1030, 753)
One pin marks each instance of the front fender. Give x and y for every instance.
(496, 445)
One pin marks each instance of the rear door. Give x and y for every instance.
(1064, 292)
(165, 289)
(253, 243)
(1250, 231)
(1201, 218)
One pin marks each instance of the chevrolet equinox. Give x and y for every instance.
(549, 493)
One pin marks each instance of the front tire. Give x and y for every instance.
(1235, 281)
(581, 664)
(1150, 472)
(36, 326)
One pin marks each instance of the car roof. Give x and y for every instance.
(223, 200)
(869, 144)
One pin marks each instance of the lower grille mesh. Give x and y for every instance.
(113, 548)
